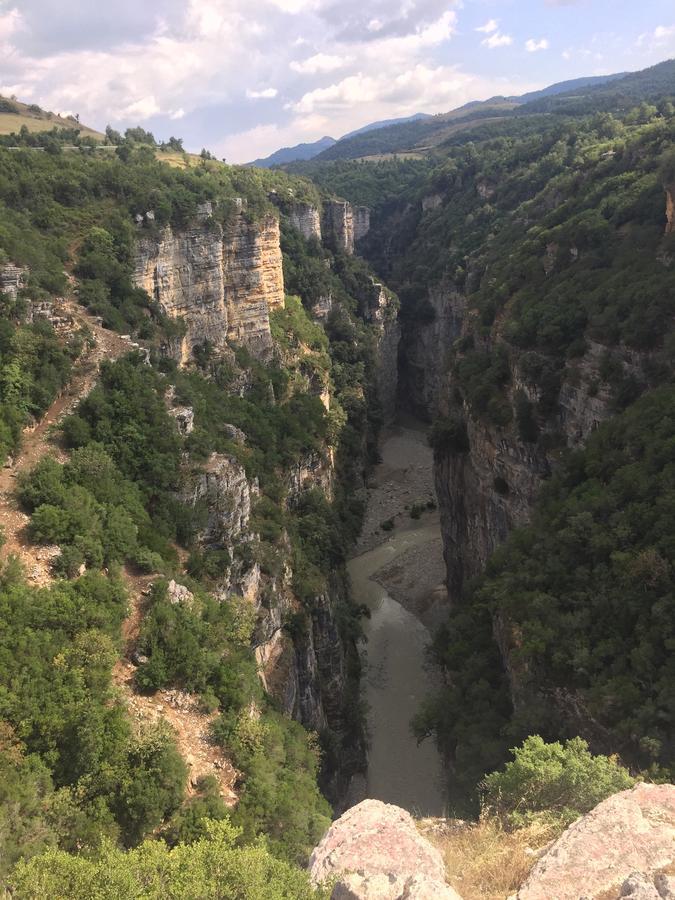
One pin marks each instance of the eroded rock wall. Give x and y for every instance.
(382, 312)
(670, 209)
(220, 282)
(306, 218)
(12, 280)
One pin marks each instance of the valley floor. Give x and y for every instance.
(398, 575)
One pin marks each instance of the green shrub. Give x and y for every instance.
(552, 782)
(215, 867)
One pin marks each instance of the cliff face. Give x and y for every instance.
(304, 667)
(12, 280)
(670, 209)
(306, 218)
(221, 282)
(343, 224)
(382, 312)
(487, 491)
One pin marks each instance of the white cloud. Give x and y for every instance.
(664, 33)
(265, 94)
(490, 26)
(177, 114)
(532, 45)
(320, 62)
(497, 40)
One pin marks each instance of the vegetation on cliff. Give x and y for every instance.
(547, 228)
(81, 778)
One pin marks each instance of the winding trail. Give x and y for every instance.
(37, 441)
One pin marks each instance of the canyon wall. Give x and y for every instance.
(670, 209)
(12, 280)
(306, 218)
(300, 648)
(219, 281)
(343, 225)
(382, 313)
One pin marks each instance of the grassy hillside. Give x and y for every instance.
(15, 115)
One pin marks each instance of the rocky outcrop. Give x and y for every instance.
(670, 210)
(12, 280)
(619, 849)
(306, 218)
(382, 312)
(220, 281)
(221, 486)
(343, 225)
(337, 225)
(312, 470)
(376, 853)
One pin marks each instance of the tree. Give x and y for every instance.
(552, 782)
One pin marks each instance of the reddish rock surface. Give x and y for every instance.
(619, 849)
(379, 854)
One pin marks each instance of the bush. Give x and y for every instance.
(552, 782)
(213, 868)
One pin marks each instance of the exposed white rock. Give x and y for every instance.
(599, 855)
(221, 282)
(377, 853)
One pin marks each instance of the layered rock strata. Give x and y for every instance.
(219, 281)
(306, 218)
(12, 280)
(343, 225)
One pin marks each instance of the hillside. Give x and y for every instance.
(15, 115)
(578, 96)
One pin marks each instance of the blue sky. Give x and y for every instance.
(244, 77)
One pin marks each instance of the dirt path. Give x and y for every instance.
(37, 441)
(178, 708)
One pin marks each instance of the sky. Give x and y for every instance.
(245, 77)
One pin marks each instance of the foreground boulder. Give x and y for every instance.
(623, 848)
(376, 853)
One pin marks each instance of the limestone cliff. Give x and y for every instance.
(343, 225)
(304, 667)
(670, 209)
(382, 313)
(220, 281)
(12, 280)
(306, 218)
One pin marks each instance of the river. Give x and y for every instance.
(397, 576)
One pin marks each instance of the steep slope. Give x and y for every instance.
(209, 481)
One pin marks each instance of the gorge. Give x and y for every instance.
(352, 481)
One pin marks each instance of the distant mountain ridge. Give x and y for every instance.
(420, 132)
(291, 154)
(303, 152)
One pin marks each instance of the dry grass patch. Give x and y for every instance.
(482, 860)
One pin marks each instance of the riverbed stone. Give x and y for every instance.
(377, 853)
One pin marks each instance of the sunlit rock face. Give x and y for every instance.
(12, 280)
(221, 282)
